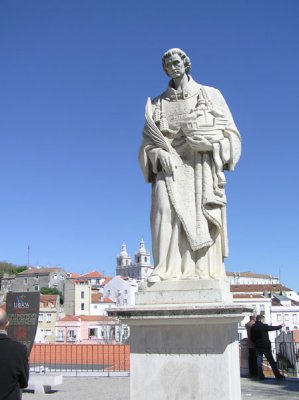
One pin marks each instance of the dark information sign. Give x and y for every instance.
(22, 310)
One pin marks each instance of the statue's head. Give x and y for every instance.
(173, 56)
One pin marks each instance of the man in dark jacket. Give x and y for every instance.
(14, 366)
(260, 337)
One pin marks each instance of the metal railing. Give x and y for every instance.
(287, 357)
(75, 358)
(106, 359)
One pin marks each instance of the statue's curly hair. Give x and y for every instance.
(181, 53)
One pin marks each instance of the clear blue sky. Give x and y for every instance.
(74, 79)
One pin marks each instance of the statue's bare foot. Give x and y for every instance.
(154, 279)
(190, 278)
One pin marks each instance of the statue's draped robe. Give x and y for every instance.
(188, 215)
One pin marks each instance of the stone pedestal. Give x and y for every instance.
(183, 349)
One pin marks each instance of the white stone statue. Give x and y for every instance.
(189, 139)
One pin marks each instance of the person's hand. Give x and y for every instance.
(166, 162)
(199, 143)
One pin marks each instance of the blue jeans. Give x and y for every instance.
(259, 358)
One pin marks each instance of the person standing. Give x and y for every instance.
(14, 365)
(260, 338)
(252, 362)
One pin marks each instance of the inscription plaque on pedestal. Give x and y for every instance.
(22, 310)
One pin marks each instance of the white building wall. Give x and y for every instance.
(100, 308)
(121, 291)
(288, 315)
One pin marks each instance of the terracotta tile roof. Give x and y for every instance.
(98, 298)
(108, 300)
(69, 318)
(99, 318)
(259, 288)
(92, 274)
(33, 271)
(107, 279)
(48, 297)
(249, 274)
(248, 296)
(45, 299)
(78, 280)
(73, 275)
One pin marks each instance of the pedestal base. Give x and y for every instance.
(184, 352)
(184, 292)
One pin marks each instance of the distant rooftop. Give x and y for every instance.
(40, 271)
(245, 296)
(103, 318)
(260, 288)
(249, 274)
(88, 275)
(98, 298)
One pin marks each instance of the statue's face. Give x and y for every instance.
(174, 66)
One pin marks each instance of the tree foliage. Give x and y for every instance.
(9, 268)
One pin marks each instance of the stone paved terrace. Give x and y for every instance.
(117, 388)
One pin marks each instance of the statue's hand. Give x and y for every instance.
(199, 143)
(166, 162)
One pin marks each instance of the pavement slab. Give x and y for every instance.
(118, 388)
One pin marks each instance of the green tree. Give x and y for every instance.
(9, 268)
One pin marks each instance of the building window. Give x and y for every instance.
(126, 292)
(82, 295)
(286, 316)
(40, 317)
(95, 306)
(262, 308)
(60, 333)
(25, 281)
(49, 317)
(145, 259)
(93, 332)
(71, 334)
(82, 306)
(278, 317)
(125, 302)
(294, 318)
(36, 288)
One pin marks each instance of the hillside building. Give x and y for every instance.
(48, 314)
(34, 279)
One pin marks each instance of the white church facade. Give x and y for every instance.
(139, 269)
